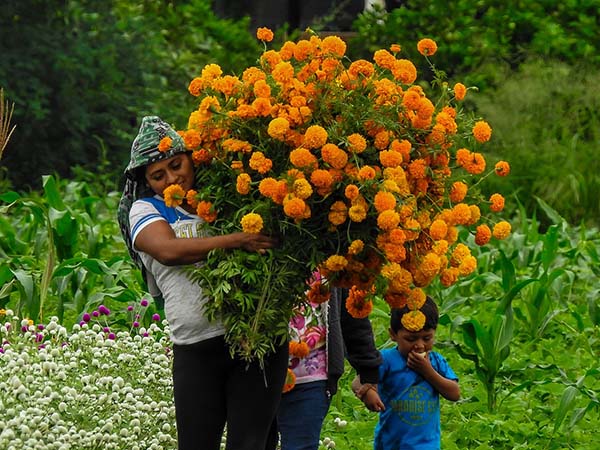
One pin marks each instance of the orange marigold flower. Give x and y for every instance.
(333, 45)
(252, 223)
(458, 191)
(438, 229)
(418, 169)
(268, 187)
(302, 157)
(366, 173)
(338, 213)
(460, 91)
(278, 128)
(384, 201)
(482, 131)
(302, 188)
(260, 163)
(467, 265)
(294, 207)
(201, 156)
(190, 198)
(501, 230)
(261, 89)
(298, 349)
(411, 100)
(427, 47)
(476, 163)
(334, 156)
(404, 71)
(318, 293)
(173, 195)
(475, 214)
(502, 168)
(388, 220)
(165, 144)
(361, 67)
(206, 211)
(315, 136)
(390, 158)
(416, 298)
(483, 234)
(192, 139)
(321, 179)
(357, 303)
(283, 72)
(290, 381)
(449, 276)
(384, 59)
(413, 320)
(461, 214)
(356, 143)
(395, 48)
(264, 34)
(195, 86)
(382, 140)
(243, 183)
(497, 202)
(351, 192)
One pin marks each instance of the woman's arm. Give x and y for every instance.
(159, 241)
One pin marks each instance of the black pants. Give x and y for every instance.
(212, 389)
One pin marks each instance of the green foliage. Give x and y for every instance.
(545, 121)
(82, 73)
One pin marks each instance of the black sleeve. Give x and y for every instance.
(359, 342)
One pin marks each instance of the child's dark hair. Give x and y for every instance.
(429, 309)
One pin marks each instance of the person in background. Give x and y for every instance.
(211, 388)
(411, 379)
(321, 336)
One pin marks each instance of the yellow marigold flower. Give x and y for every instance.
(497, 202)
(264, 34)
(243, 183)
(237, 165)
(366, 173)
(294, 207)
(502, 168)
(302, 188)
(338, 213)
(252, 223)
(460, 252)
(404, 71)
(278, 128)
(165, 144)
(416, 298)
(211, 71)
(427, 47)
(458, 191)
(438, 229)
(384, 201)
(333, 45)
(482, 131)
(262, 106)
(302, 50)
(475, 214)
(391, 270)
(335, 263)
(467, 266)
(356, 247)
(315, 136)
(173, 195)
(413, 320)
(483, 234)
(356, 143)
(388, 220)
(283, 72)
(357, 213)
(206, 211)
(460, 91)
(440, 247)
(501, 230)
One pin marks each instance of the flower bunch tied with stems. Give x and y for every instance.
(360, 170)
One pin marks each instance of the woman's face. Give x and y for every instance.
(178, 169)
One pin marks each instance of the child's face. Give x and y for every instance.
(413, 341)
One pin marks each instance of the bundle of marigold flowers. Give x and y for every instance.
(360, 174)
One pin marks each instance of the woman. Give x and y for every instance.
(211, 388)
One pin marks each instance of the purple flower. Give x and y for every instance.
(95, 313)
(39, 337)
(106, 329)
(82, 323)
(40, 327)
(146, 334)
(86, 317)
(1, 350)
(156, 317)
(41, 346)
(144, 302)
(112, 336)
(24, 328)
(136, 324)
(103, 310)
(130, 308)
(137, 316)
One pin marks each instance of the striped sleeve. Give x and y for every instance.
(141, 215)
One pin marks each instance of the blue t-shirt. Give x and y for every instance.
(411, 420)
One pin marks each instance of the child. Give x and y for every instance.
(411, 379)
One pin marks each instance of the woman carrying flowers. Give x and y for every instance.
(164, 236)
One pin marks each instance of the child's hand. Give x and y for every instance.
(372, 401)
(419, 362)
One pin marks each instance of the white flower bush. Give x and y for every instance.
(85, 388)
